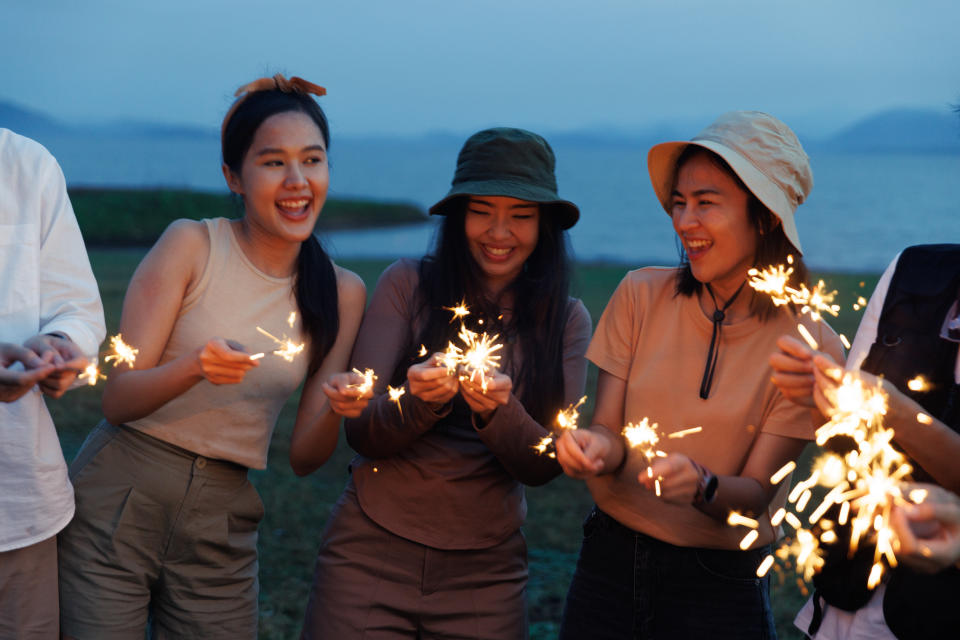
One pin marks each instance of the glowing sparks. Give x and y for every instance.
(122, 352)
(685, 432)
(422, 352)
(292, 319)
(774, 281)
(395, 395)
(783, 472)
(860, 303)
(288, 348)
(459, 311)
(845, 341)
(91, 374)
(923, 418)
(735, 520)
(765, 566)
(918, 383)
(749, 539)
(864, 482)
(917, 495)
(567, 420)
(362, 388)
(808, 337)
(479, 357)
(644, 436)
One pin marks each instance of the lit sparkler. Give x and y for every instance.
(459, 311)
(122, 352)
(567, 420)
(919, 383)
(864, 483)
(368, 379)
(288, 348)
(774, 281)
(479, 358)
(91, 374)
(395, 395)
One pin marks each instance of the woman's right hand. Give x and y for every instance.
(431, 381)
(224, 362)
(581, 452)
(346, 399)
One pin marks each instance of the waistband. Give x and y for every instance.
(172, 455)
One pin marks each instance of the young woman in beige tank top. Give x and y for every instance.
(166, 519)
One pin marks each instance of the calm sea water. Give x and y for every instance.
(863, 209)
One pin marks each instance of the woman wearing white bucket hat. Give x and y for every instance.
(687, 347)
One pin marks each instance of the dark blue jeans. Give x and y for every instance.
(629, 585)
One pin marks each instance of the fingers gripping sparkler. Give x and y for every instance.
(567, 420)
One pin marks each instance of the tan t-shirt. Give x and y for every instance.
(657, 341)
(232, 298)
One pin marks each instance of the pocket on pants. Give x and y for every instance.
(733, 566)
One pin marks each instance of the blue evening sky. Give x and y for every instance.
(410, 66)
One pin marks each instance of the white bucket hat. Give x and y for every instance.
(761, 150)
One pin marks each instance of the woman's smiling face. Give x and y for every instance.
(710, 214)
(501, 233)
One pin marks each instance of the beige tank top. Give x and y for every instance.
(232, 298)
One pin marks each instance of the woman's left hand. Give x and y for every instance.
(499, 386)
(677, 475)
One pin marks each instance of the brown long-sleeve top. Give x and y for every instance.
(432, 476)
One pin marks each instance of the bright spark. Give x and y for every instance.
(288, 348)
(122, 352)
(91, 374)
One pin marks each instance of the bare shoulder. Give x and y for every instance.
(181, 251)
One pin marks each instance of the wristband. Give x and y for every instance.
(706, 485)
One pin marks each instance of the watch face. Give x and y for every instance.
(710, 492)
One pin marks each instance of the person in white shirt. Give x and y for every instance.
(49, 304)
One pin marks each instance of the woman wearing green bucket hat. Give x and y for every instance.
(425, 541)
(687, 349)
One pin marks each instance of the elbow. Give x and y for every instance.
(113, 410)
(302, 467)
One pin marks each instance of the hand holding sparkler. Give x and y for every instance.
(66, 357)
(675, 478)
(583, 453)
(224, 361)
(484, 401)
(929, 532)
(350, 392)
(14, 384)
(432, 381)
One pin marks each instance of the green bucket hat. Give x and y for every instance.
(508, 162)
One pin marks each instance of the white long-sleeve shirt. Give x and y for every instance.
(46, 285)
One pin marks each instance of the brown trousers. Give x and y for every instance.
(29, 605)
(370, 583)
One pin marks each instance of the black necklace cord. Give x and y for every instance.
(713, 353)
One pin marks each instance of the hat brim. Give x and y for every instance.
(662, 162)
(568, 212)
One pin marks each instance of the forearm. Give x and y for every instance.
(737, 493)
(511, 434)
(131, 395)
(382, 430)
(617, 450)
(932, 444)
(314, 439)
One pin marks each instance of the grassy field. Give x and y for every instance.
(126, 217)
(297, 507)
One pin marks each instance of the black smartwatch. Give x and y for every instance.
(710, 487)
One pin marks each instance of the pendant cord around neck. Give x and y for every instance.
(712, 354)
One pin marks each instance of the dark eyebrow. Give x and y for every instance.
(269, 150)
(697, 193)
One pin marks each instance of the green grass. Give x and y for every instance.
(126, 217)
(297, 507)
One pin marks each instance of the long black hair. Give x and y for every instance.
(772, 245)
(316, 281)
(537, 321)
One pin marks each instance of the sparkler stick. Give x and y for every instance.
(684, 432)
